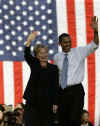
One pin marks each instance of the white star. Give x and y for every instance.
(13, 32)
(24, 3)
(12, 22)
(1, 52)
(18, 18)
(1, 21)
(49, 1)
(44, 27)
(25, 23)
(19, 28)
(30, 8)
(5, 6)
(18, 8)
(51, 51)
(43, 7)
(6, 26)
(19, 38)
(50, 31)
(6, 17)
(49, 11)
(14, 43)
(38, 42)
(24, 13)
(31, 28)
(39, 33)
(50, 41)
(12, 12)
(14, 53)
(30, 18)
(49, 21)
(0, 11)
(11, 2)
(20, 48)
(37, 13)
(36, 2)
(43, 17)
(25, 33)
(37, 22)
(8, 47)
(44, 37)
(7, 37)
(1, 42)
(1, 31)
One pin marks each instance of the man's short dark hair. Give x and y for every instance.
(63, 36)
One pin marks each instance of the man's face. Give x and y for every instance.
(66, 44)
(42, 55)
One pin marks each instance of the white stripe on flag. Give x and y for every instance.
(61, 17)
(8, 83)
(81, 39)
(26, 74)
(97, 96)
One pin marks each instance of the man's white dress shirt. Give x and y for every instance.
(76, 63)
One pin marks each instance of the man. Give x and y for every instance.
(71, 92)
(40, 92)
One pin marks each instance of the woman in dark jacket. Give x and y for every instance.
(41, 91)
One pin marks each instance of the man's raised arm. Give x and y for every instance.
(94, 25)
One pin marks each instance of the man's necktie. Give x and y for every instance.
(64, 72)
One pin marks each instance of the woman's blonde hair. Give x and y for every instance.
(38, 47)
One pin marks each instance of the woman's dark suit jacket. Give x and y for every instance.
(41, 90)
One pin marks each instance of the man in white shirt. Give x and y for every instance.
(71, 92)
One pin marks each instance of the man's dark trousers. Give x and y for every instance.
(71, 102)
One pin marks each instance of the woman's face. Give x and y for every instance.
(42, 55)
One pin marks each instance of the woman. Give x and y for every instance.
(40, 93)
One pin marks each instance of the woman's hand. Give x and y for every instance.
(31, 37)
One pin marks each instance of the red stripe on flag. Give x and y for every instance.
(91, 61)
(18, 83)
(71, 21)
(51, 61)
(1, 84)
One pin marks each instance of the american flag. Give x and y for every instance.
(51, 18)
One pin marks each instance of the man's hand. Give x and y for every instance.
(31, 37)
(55, 108)
(94, 23)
